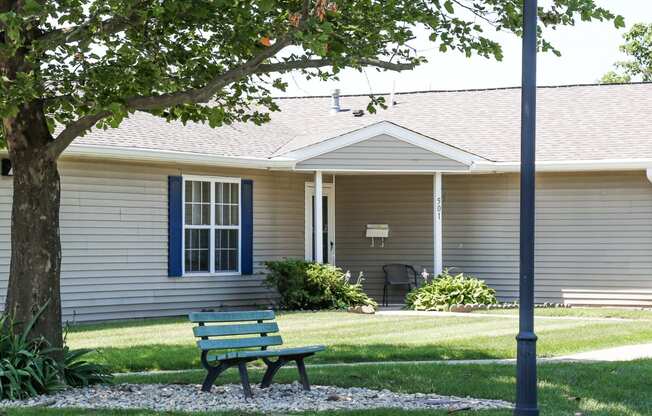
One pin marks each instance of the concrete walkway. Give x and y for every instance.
(394, 312)
(626, 353)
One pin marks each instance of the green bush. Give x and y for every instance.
(28, 365)
(447, 290)
(304, 285)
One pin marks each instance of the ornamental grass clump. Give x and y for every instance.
(304, 285)
(29, 366)
(446, 290)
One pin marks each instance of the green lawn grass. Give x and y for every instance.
(613, 389)
(168, 344)
(622, 313)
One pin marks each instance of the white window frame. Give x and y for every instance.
(212, 227)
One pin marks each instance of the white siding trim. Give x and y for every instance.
(212, 227)
(381, 128)
(438, 213)
(319, 218)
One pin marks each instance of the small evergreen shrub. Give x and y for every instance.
(28, 365)
(304, 285)
(447, 290)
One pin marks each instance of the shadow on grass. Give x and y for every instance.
(184, 357)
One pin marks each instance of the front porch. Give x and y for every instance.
(405, 203)
(382, 175)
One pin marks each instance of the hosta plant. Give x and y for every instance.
(447, 290)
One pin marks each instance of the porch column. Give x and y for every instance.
(438, 213)
(319, 218)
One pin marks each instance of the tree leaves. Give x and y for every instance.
(87, 55)
(638, 46)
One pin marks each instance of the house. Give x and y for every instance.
(159, 218)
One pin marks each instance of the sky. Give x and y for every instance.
(588, 51)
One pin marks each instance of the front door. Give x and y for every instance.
(327, 233)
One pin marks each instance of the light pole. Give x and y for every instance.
(526, 365)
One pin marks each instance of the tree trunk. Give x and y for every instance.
(35, 244)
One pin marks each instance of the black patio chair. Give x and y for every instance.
(398, 275)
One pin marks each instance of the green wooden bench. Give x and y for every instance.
(227, 331)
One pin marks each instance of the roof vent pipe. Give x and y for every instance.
(335, 102)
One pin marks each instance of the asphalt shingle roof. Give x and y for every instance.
(586, 122)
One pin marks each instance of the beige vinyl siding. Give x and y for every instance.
(405, 203)
(114, 240)
(593, 241)
(382, 153)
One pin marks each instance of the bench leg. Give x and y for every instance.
(213, 373)
(303, 376)
(244, 379)
(272, 369)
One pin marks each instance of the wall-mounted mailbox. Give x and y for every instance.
(375, 231)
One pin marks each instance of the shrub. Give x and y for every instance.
(304, 285)
(447, 290)
(29, 367)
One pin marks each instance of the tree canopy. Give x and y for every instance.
(638, 46)
(93, 61)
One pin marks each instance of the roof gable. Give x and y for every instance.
(382, 146)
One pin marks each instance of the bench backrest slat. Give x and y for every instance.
(241, 329)
(219, 344)
(231, 316)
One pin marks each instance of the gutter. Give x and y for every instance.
(568, 166)
(169, 156)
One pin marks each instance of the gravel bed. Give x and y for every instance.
(280, 398)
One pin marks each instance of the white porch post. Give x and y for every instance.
(438, 213)
(319, 218)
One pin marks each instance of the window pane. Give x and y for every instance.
(235, 220)
(196, 214)
(233, 259)
(197, 250)
(226, 250)
(196, 191)
(188, 208)
(218, 193)
(234, 193)
(218, 214)
(206, 192)
(226, 197)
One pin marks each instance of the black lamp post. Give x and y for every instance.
(526, 366)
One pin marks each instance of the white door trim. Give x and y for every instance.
(329, 191)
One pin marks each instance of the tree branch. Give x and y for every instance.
(204, 94)
(318, 63)
(81, 32)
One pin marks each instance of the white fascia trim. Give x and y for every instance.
(391, 129)
(151, 155)
(566, 166)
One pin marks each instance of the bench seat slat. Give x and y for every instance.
(231, 316)
(244, 329)
(267, 353)
(219, 344)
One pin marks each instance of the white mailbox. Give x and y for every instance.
(377, 231)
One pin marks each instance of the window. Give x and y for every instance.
(211, 225)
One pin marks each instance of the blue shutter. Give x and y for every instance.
(247, 227)
(175, 225)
